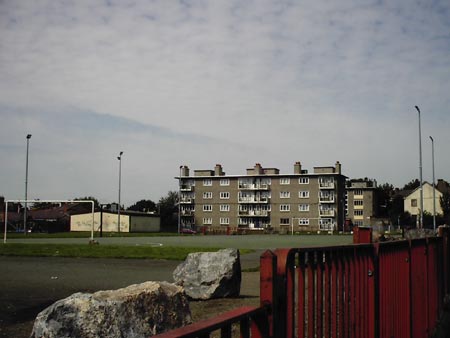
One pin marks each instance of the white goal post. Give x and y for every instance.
(47, 201)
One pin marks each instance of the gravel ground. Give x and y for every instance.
(30, 284)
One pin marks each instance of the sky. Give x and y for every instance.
(197, 83)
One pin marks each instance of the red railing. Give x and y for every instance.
(391, 289)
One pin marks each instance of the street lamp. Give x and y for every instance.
(26, 188)
(179, 200)
(420, 171)
(434, 186)
(120, 178)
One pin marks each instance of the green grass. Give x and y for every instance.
(87, 234)
(100, 251)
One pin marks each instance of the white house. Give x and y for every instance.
(412, 201)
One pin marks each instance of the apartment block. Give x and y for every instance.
(362, 201)
(263, 198)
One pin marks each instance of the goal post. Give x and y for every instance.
(48, 201)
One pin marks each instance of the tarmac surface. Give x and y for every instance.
(30, 284)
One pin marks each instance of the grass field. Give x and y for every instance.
(156, 247)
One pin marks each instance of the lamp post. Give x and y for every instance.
(120, 180)
(26, 189)
(420, 172)
(434, 185)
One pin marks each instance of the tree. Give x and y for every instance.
(44, 205)
(445, 205)
(89, 198)
(413, 184)
(385, 194)
(168, 210)
(143, 206)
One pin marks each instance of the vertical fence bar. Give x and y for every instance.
(341, 274)
(419, 317)
(327, 301)
(334, 306)
(311, 292)
(267, 286)
(320, 301)
(301, 296)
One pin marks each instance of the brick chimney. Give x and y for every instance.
(184, 170)
(297, 168)
(218, 171)
(338, 168)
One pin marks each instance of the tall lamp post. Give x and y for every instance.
(420, 171)
(26, 188)
(434, 185)
(120, 181)
(179, 201)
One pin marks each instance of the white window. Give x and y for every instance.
(303, 194)
(285, 207)
(224, 220)
(285, 180)
(207, 182)
(207, 207)
(224, 207)
(358, 202)
(303, 180)
(285, 194)
(358, 213)
(224, 181)
(207, 195)
(303, 221)
(358, 192)
(303, 207)
(224, 195)
(207, 221)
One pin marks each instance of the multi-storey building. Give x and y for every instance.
(362, 201)
(263, 198)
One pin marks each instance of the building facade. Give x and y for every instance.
(263, 198)
(362, 201)
(412, 201)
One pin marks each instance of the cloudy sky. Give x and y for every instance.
(205, 82)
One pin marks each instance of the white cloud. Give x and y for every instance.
(315, 82)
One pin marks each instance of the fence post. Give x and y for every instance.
(444, 232)
(267, 287)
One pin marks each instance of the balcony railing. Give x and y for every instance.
(327, 212)
(253, 200)
(326, 199)
(187, 212)
(254, 213)
(186, 188)
(326, 185)
(186, 200)
(248, 186)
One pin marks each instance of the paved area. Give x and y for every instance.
(30, 284)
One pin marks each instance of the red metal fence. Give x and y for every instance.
(384, 290)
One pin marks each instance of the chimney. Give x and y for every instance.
(218, 170)
(184, 170)
(337, 168)
(297, 168)
(258, 169)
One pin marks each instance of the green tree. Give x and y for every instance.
(89, 198)
(43, 205)
(143, 206)
(168, 210)
(413, 184)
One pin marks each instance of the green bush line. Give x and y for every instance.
(101, 251)
(86, 234)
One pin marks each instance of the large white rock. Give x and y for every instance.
(207, 275)
(140, 310)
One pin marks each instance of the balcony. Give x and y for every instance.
(253, 213)
(186, 187)
(247, 186)
(187, 213)
(253, 200)
(327, 212)
(186, 200)
(326, 185)
(326, 199)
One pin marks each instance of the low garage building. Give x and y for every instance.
(107, 221)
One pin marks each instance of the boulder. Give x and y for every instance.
(207, 275)
(140, 310)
